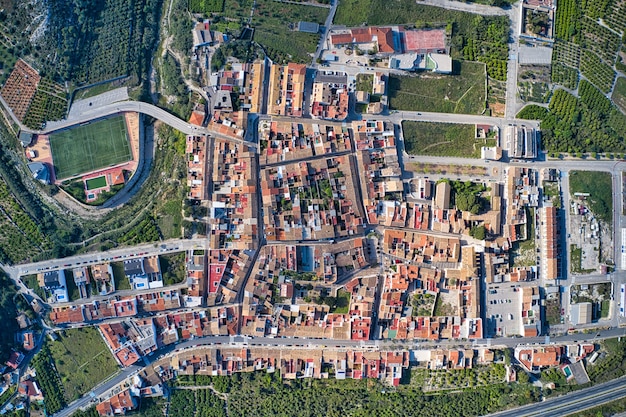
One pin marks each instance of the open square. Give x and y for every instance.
(89, 147)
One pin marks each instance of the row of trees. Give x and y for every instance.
(49, 381)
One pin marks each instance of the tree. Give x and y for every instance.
(478, 232)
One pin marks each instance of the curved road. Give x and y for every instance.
(573, 402)
(138, 107)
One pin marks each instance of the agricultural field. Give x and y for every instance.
(566, 53)
(275, 28)
(473, 37)
(590, 123)
(237, 9)
(21, 236)
(597, 71)
(49, 381)
(49, 103)
(615, 15)
(90, 147)
(619, 93)
(110, 39)
(82, 360)
(564, 75)
(567, 19)
(440, 139)
(463, 92)
(206, 6)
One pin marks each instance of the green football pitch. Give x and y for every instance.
(86, 148)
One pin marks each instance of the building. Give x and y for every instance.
(40, 172)
(549, 243)
(308, 27)
(202, 35)
(286, 89)
(521, 141)
(580, 313)
(54, 282)
(118, 404)
(442, 196)
(330, 98)
(102, 275)
(144, 273)
(380, 39)
(81, 279)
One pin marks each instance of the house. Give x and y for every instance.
(580, 313)
(54, 281)
(102, 274)
(144, 273)
(118, 404)
(30, 389)
(202, 35)
(15, 360)
(28, 341)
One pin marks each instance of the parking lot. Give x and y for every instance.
(503, 310)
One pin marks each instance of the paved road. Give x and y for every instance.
(139, 107)
(149, 249)
(571, 403)
(466, 7)
(327, 25)
(86, 400)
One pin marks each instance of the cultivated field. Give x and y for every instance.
(463, 92)
(82, 360)
(274, 24)
(440, 139)
(90, 147)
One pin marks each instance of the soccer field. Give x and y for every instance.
(90, 147)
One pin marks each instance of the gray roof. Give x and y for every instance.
(133, 267)
(26, 138)
(308, 27)
(51, 279)
(40, 171)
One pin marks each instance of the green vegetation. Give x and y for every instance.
(553, 311)
(619, 93)
(244, 51)
(48, 104)
(423, 304)
(532, 112)
(589, 123)
(567, 19)
(435, 380)
(172, 268)
(342, 304)
(206, 6)
(576, 258)
(613, 365)
(31, 282)
(440, 139)
(463, 92)
(478, 232)
(473, 37)
(21, 236)
(537, 92)
(596, 71)
(8, 324)
(275, 28)
(49, 380)
(82, 360)
(523, 252)
(365, 82)
(551, 190)
(119, 277)
(467, 196)
(176, 97)
(96, 42)
(564, 75)
(442, 309)
(97, 182)
(89, 147)
(262, 394)
(600, 189)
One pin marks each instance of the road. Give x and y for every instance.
(86, 400)
(244, 341)
(138, 107)
(327, 25)
(573, 402)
